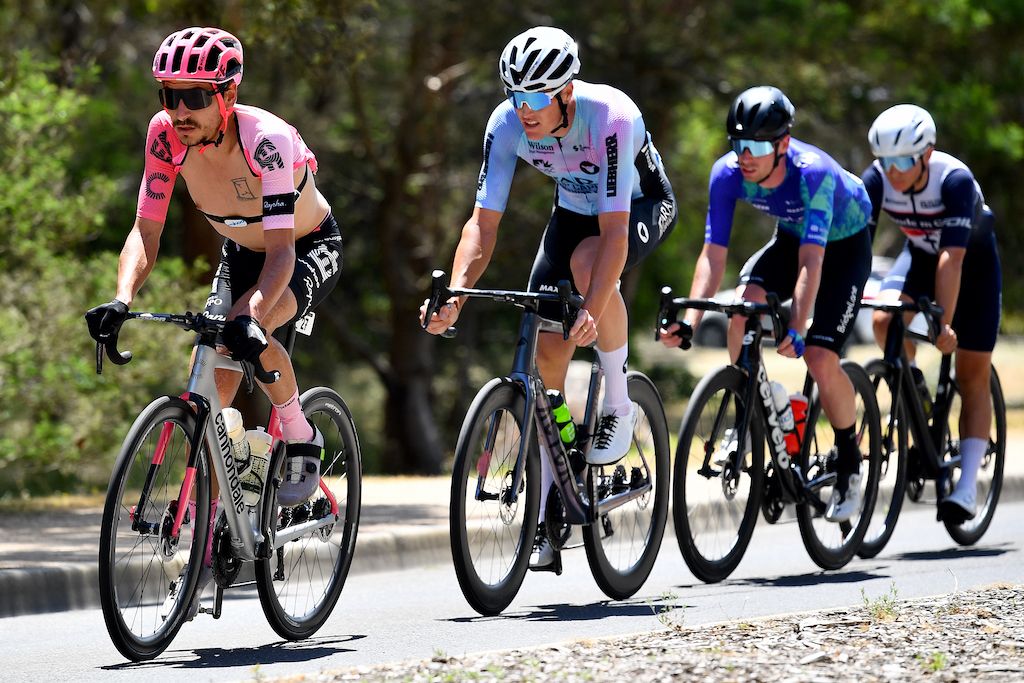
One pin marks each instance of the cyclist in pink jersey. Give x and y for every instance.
(251, 175)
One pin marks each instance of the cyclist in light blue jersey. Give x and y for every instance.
(820, 255)
(613, 206)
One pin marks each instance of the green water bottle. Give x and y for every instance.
(560, 409)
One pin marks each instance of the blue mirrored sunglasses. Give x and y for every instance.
(533, 100)
(758, 148)
(902, 163)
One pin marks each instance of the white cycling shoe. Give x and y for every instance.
(844, 503)
(205, 576)
(961, 505)
(613, 439)
(543, 555)
(728, 444)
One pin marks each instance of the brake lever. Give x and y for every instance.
(569, 311)
(438, 293)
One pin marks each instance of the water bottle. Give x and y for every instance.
(259, 443)
(566, 427)
(782, 406)
(798, 404)
(236, 434)
(922, 389)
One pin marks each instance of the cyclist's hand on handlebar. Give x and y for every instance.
(678, 334)
(946, 342)
(792, 345)
(584, 330)
(106, 319)
(244, 338)
(445, 316)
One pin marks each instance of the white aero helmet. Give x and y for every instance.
(902, 130)
(541, 59)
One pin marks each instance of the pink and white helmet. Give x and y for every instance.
(199, 54)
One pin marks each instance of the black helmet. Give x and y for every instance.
(760, 113)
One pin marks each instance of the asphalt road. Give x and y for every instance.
(416, 614)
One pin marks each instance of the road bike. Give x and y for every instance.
(496, 476)
(156, 519)
(917, 432)
(719, 487)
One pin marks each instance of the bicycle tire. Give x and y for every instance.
(832, 545)
(134, 589)
(301, 583)
(702, 501)
(971, 531)
(892, 478)
(491, 538)
(623, 545)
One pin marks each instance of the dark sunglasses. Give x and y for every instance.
(193, 98)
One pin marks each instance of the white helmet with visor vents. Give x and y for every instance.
(542, 59)
(902, 130)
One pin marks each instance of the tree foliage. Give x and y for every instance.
(392, 96)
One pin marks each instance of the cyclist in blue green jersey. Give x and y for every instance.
(820, 255)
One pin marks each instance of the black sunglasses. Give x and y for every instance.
(193, 98)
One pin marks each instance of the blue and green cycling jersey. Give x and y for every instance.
(818, 202)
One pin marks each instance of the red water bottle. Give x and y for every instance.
(798, 402)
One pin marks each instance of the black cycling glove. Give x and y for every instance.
(244, 338)
(105, 320)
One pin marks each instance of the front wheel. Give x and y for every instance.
(302, 581)
(495, 498)
(718, 481)
(990, 473)
(624, 542)
(892, 479)
(148, 573)
(831, 545)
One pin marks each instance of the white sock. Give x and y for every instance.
(616, 396)
(972, 451)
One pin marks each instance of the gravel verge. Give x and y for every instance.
(975, 635)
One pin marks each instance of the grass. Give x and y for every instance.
(885, 607)
(935, 662)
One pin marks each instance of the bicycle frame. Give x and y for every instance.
(929, 433)
(757, 391)
(248, 535)
(579, 506)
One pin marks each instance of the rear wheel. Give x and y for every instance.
(624, 542)
(718, 483)
(831, 545)
(493, 518)
(301, 583)
(148, 574)
(892, 477)
(990, 473)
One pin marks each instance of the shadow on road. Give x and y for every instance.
(592, 612)
(812, 579)
(216, 657)
(956, 552)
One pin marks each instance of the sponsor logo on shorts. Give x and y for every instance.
(643, 232)
(851, 305)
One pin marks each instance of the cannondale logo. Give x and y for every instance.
(151, 180)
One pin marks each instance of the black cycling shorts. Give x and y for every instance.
(651, 219)
(318, 259)
(844, 271)
(979, 305)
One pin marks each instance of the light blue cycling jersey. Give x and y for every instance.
(819, 201)
(600, 165)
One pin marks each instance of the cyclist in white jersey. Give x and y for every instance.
(950, 255)
(613, 206)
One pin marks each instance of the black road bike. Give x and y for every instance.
(496, 476)
(918, 442)
(719, 486)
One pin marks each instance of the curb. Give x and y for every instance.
(35, 590)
